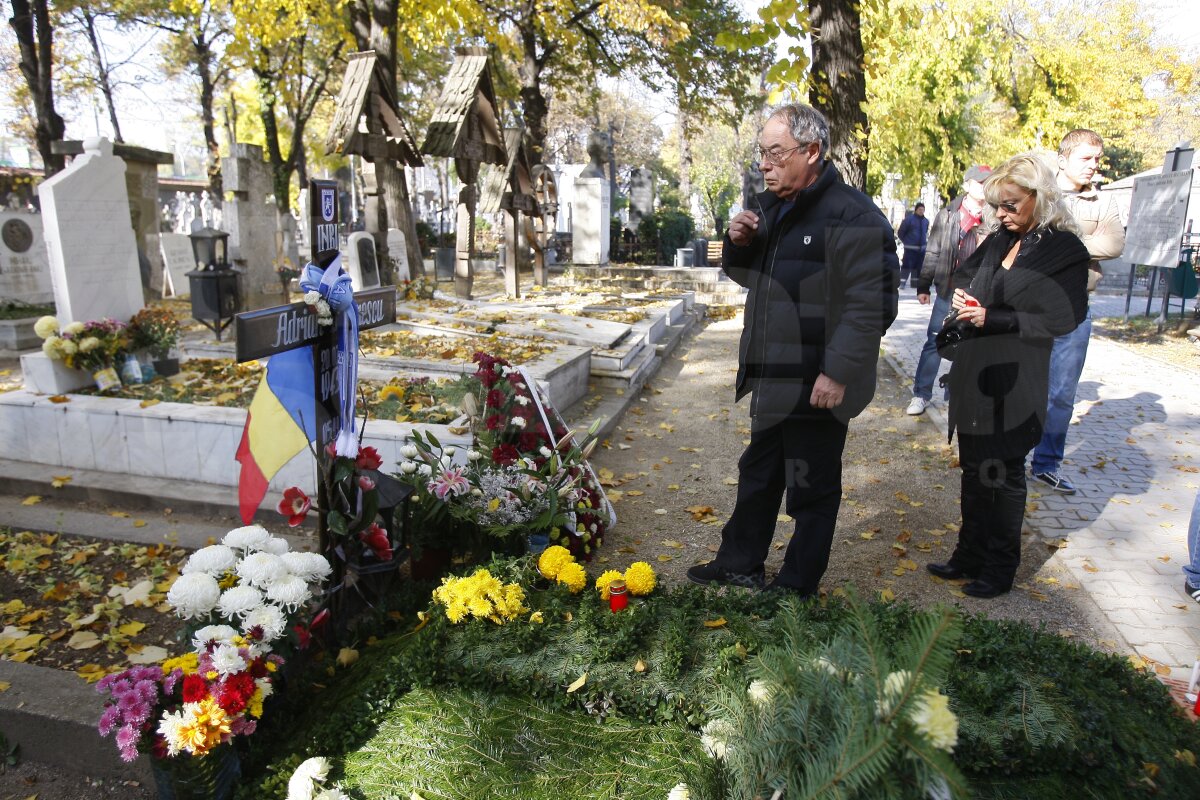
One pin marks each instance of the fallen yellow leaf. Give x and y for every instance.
(578, 684)
(149, 402)
(347, 656)
(139, 523)
(640, 666)
(719, 622)
(59, 481)
(32, 500)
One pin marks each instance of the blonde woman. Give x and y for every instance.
(1028, 284)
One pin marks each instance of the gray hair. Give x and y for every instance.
(806, 123)
(1030, 172)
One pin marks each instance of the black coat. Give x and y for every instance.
(1000, 378)
(822, 280)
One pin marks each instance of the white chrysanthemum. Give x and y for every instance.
(264, 686)
(302, 784)
(68, 347)
(45, 327)
(270, 619)
(74, 328)
(518, 422)
(408, 467)
(760, 692)
(449, 450)
(262, 569)
(474, 455)
(216, 560)
(680, 792)
(522, 399)
(251, 537)
(309, 566)
(425, 470)
(332, 794)
(239, 601)
(715, 737)
(276, 546)
(893, 687)
(227, 660)
(169, 727)
(409, 451)
(219, 634)
(194, 595)
(934, 720)
(311, 297)
(89, 344)
(291, 592)
(545, 451)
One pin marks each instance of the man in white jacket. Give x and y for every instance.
(1104, 236)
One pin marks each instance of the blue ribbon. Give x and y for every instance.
(334, 285)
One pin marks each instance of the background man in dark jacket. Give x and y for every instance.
(820, 262)
(953, 237)
(914, 235)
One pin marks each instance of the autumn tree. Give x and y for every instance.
(35, 37)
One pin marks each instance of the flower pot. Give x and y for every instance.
(535, 543)
(431, 564)
(208, 777)
(166, 366)
(106, 379)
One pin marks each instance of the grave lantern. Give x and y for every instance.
(214, 285)
(210, 247)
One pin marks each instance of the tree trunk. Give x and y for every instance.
(534, 107)
(204, 67)
(685, 160)
(281, 171)
(36, 40)
(839, 87)
(102, 75)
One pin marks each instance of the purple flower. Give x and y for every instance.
(127, 739)
(169, 681)
(108, 720)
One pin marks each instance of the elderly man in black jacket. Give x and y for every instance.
(820, 262)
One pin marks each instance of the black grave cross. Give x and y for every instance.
(270, 331)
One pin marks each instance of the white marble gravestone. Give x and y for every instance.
(24, 265)
(89, 238)
(251, 222)
(178, 260)
(591, 215)
(362, 263)
(398, 253)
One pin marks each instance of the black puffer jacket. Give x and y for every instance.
(1000, 378)
(822, 280)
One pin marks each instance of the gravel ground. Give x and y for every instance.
(678, 448)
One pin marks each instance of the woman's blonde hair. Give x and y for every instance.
(1030, 172)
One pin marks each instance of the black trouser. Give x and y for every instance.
(910, 269)
(993, 507)
(803, 457)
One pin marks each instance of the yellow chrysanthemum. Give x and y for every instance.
(553, 559)
(203, 726)
(934, 720)
(189, 663)
(640, 578)
(573, 576)
(605, 580)
(481, 596)
(390, 393)
(255, 705)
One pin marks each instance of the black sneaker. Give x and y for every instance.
(1056, 481)
(1191, 591)
(710, 574)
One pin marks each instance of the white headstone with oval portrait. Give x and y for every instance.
(361, 263)
(398, 253)
(24, 265)
(178, 260)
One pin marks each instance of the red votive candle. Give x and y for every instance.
(618, 595)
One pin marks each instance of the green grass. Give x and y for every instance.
(13, 310)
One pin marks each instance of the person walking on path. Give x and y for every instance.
(1029, 285)
(914, 234)
(819, 259)
(1102, 234)
(953, 237)
(1191, 582)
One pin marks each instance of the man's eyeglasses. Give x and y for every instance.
(776, 156)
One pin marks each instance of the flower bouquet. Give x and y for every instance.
(525, 476)
(155, 330)
(238, 597)
(91, 346)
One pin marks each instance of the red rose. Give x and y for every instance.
(195, 688)
(294, 506)
(369, 458)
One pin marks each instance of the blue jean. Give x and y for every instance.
(1192, 570)
(1066, 365)
(930, 361)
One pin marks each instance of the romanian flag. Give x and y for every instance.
(281, 422)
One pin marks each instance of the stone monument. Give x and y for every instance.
(361, 263)
(641, 197)
(592, 209)
(178, 260)
(251, 222)
(24, 265)
(397, 247)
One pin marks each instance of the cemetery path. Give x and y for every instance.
(674, 457)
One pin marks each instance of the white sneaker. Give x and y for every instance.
(917, 407)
